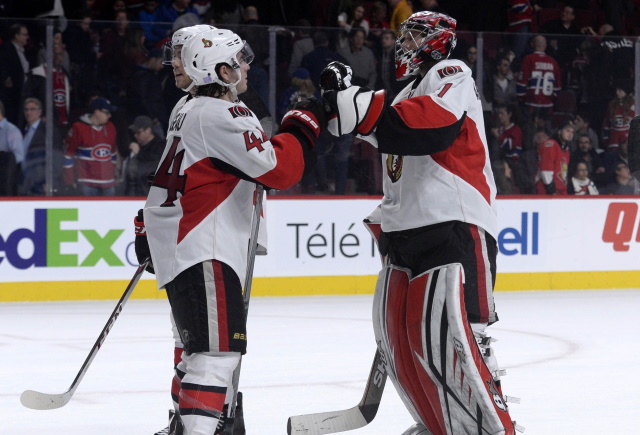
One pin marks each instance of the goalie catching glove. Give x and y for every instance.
(350, 109)
(304, 117)
(336, 76)
(141, 243)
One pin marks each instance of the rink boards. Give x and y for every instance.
(83, 249)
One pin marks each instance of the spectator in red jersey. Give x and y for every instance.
(620, 112)
(553, 162)
(509, 137)
(519, 16)
(36, 86)
(540, 78)
(91, 156)
(508, 134)
(538, 82)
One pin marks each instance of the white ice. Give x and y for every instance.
(571, 356)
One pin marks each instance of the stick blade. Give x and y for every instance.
(42, 401)
(326, 422)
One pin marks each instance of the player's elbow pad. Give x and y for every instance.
(356, 110)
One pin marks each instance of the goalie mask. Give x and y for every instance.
(423, 36)
(202, 55)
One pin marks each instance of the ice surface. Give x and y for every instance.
(571, 356)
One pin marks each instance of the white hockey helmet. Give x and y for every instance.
(180, 37)
(202, 54)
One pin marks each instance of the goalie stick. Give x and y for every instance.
(347, 419)
(41, 401)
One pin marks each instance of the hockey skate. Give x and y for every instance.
(175, 425)
(236, 426)
(417, 429)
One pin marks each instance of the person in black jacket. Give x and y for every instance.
(143, 160)
(34, 178)
(14, 66)
(144, 92)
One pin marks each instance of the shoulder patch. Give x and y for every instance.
(449, 71)
(241, 111)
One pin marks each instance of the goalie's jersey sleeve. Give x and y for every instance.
(200, 204)
(435, 155)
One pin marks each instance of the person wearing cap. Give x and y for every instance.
(145, 153)
(91, 152)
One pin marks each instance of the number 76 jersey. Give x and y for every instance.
(539, 80)
(201, 201)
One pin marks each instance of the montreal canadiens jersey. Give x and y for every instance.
(539, 80)
(201, 202)
(441, 170)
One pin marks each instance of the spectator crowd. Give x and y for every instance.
(555, 80)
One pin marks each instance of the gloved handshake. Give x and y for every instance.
(350, 109)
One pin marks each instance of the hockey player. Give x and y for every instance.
(198, 213)
(434, 298)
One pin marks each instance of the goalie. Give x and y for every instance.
(434, 297)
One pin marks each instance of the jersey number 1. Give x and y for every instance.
(168, 175)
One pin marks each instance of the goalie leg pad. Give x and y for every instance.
(447, 356)
(390, 328)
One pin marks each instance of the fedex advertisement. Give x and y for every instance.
(92, 240)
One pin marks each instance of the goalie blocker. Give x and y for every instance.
(447, 385)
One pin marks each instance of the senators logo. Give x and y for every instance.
(207, 43)
(237, 111)
(449, 71)
(394, 167)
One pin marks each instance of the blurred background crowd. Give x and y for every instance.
(556, 79)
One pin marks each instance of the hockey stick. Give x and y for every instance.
(253, 101)
(365, 411)
(253, 246)
(41, 401)
(231, 429)
(347, 419)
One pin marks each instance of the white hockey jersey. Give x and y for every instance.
(200, 204)
(435, 154)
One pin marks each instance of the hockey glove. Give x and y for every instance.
(141, 242)
(354, 110)
(306, 117)
(336, 76)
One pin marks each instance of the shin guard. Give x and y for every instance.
(448, 359)
(206, 390)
